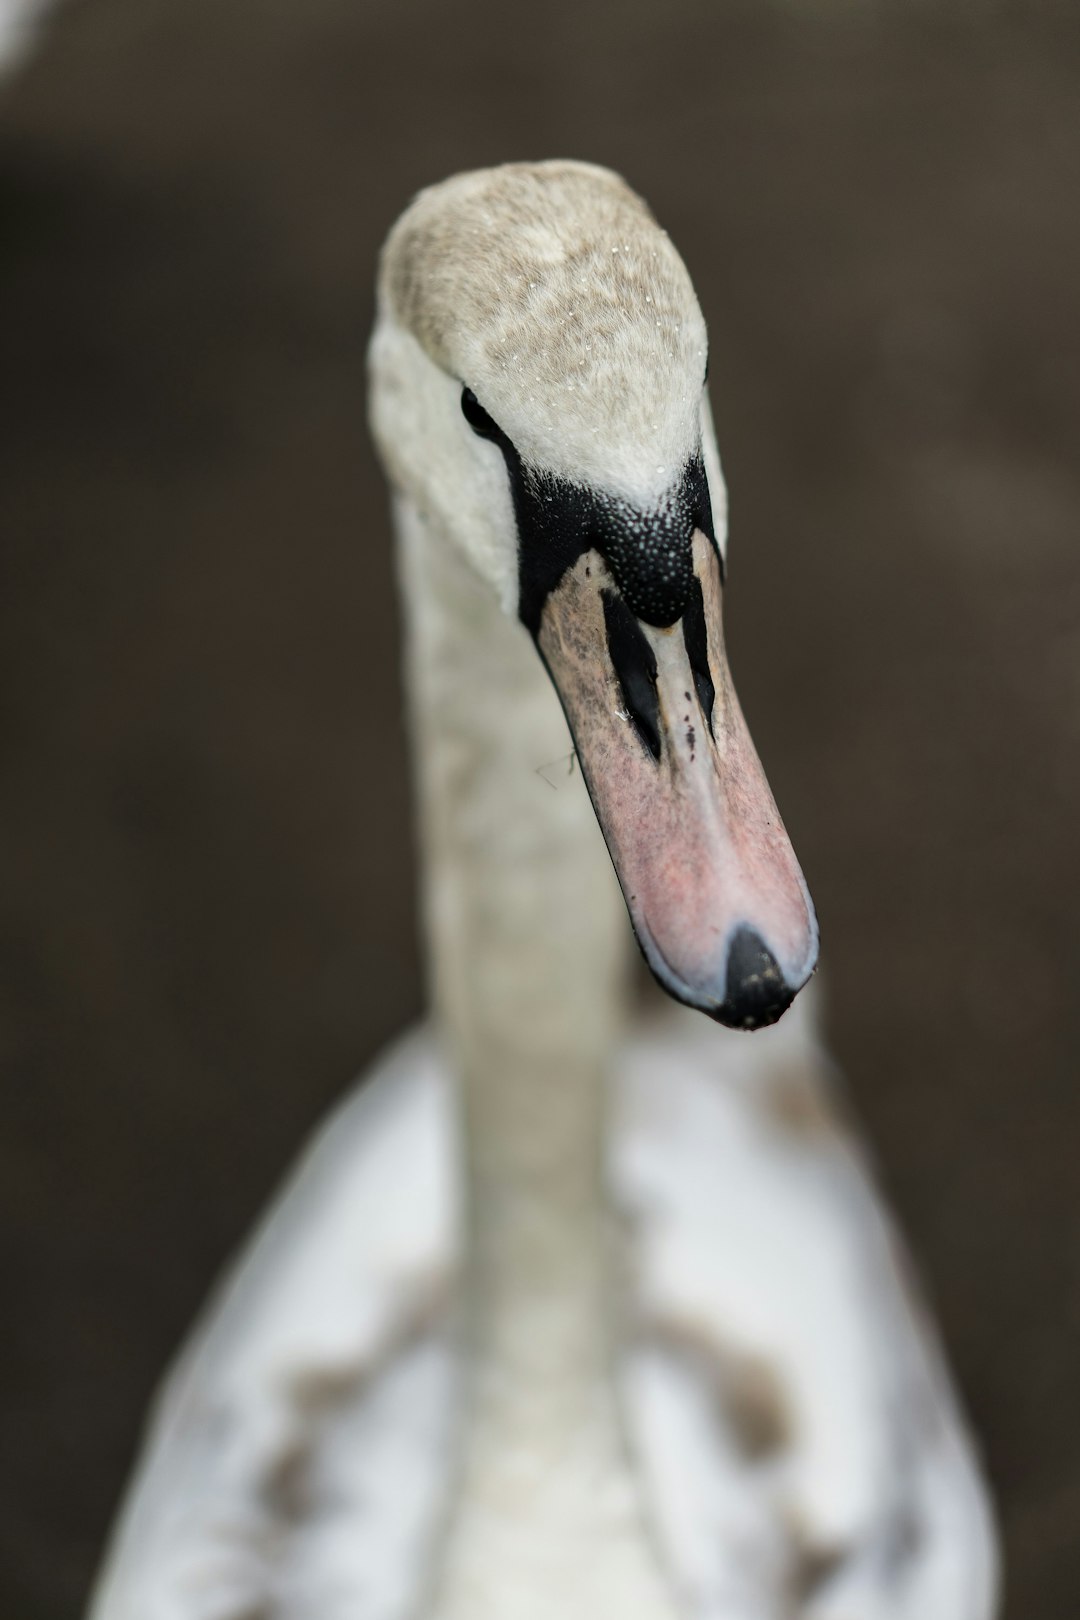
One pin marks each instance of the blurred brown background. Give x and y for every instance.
(206, 862)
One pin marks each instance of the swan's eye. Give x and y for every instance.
(476, 416)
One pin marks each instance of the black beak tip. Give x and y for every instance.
(756, 992)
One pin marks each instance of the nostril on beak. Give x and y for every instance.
(756, 992)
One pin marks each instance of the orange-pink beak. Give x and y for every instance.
(711, 882)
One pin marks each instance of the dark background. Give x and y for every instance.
(207, 872)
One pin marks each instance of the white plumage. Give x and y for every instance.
(553, 1318)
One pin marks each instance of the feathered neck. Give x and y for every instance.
(528, 941)
(526, 929)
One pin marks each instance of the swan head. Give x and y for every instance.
(538, 391)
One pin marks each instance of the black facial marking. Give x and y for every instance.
(696, 637)
(649, 551)
(634, 663)
(478, 419)
(556, 524)
(699, 503)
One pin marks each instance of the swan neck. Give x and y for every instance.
(523, 916)
(528, 937)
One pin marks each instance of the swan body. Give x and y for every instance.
(554, 1318)
(788, 1408)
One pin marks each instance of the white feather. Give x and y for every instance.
(531, 1332)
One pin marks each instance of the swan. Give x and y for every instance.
(561, 1315)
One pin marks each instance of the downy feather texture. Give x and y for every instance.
(561, 1314)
